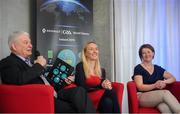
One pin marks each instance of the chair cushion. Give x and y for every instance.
(148, 110)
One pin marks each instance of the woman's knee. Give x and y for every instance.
(79, 94)
(79, 90)
(113, 91)
(107, 101)
(110, 93)
(164, 91)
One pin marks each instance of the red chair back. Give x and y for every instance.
(34, 98)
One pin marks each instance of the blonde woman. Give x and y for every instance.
(151, 81)
(91, 76)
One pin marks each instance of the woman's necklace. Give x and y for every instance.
(149, 68)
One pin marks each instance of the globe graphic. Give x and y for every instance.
(68, 56)
(66, 9)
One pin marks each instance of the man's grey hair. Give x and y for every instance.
(14, 36)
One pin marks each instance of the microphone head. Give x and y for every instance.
(37, 53)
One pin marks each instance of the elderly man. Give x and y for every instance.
(15, 69)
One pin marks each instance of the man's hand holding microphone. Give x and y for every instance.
(40, 59)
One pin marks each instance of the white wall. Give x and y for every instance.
(102, 31)
(14, 15)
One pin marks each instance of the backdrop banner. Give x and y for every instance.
(63, 26)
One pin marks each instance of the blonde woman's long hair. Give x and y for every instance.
(86, 66)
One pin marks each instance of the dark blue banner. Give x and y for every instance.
(63, 26)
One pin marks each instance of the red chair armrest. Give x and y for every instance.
(132, 97)
(175, 89)
(119, 88)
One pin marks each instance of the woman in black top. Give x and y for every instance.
(151, 80)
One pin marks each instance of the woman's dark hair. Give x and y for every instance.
(145, 46)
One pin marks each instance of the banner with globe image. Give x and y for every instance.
(63, 26)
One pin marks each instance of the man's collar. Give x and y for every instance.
(22, 58)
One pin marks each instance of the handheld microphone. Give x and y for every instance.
(37, 53)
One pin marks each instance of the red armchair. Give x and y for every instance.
(133, 100)
(118, 87)
(34, 98)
